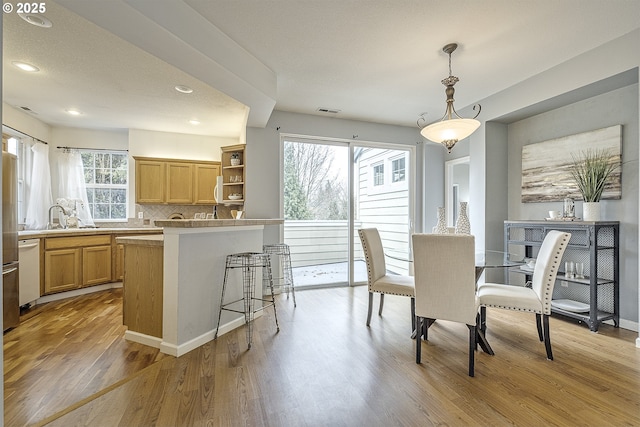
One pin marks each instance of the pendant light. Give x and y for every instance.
(451, 128)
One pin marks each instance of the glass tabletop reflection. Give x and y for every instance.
(498, 259)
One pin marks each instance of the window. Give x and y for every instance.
(106, 176)
(378, 174)
(397, 170)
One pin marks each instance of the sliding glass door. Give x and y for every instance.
(330, 190)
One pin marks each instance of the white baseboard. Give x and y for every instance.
(179, 350)
(133, 336)
(78, 292)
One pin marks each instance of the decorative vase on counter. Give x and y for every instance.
(591, 211)
(463, 226)
(441, 226)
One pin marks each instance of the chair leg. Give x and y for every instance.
(539, 325)
(413, 314)
(381, 304)
(370, 308)
(419, 322)
(547, 339)
(483, 319)
(472, 348)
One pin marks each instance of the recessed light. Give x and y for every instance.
(194, 121)
(36, 19)
(183, 89)
(25, 66)
(73, 112)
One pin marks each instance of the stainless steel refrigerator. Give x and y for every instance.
(10, 300)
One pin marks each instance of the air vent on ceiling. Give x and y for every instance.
(328, 110)
(28, 110)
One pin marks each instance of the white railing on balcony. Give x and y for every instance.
(326, 242)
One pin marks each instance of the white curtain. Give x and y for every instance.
(38, 188)
(72, 186)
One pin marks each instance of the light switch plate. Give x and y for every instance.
(140, 215)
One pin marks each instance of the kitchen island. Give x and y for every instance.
(193, 260)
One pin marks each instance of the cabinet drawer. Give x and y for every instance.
(76, 241)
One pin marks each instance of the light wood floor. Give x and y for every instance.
(326, 368)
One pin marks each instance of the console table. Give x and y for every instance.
(594, 298)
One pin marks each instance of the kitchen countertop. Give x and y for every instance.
(150, 240)
(196, 223)
(65, 232)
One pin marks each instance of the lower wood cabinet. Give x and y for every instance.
(62, 270)
(96, 265)
(75, 262)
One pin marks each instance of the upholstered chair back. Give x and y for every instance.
(445, 277)
(547, 265)
(373, 254)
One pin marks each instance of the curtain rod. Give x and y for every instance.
(91, 149)
(26, 134)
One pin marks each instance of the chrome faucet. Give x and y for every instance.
(50, 225)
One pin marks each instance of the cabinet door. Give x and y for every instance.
(205, 182)
(96, 265)
(150, 181)
(62, 270)
(179, 183)
(118, 262)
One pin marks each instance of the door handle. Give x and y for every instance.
(11, 270)
(32, 245)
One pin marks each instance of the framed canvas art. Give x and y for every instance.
(546, 175)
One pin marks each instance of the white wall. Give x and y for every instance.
(25, 123)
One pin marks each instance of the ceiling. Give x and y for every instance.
(373, 60)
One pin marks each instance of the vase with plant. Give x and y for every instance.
(591, 171)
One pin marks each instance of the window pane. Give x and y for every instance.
(89, 176)
(378, 175)
(118, 195)
(90, 195)
(103, 195)
(118, 210)
(101, 211)
(119, 161)
(119, 176)
(103, 160)
(103, 176)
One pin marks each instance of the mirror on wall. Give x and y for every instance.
(456, 187)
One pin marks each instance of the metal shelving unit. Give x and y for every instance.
(596, 245)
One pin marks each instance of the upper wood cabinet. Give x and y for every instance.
(178, 182)
(150, 181)
(205, 183)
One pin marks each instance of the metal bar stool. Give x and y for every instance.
(249, 262)
(286, 281)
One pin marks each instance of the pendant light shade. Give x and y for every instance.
(451, 128)
(448, 132)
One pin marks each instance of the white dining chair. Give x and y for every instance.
(535, 299)
(445, 285)
(378, 279)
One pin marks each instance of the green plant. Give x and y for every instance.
(591, 170)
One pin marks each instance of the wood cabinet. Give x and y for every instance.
(591, 299)
(75, 262)
(150, 181)
(205, 183)
(178, 182)
(118, 261)
(62, 270)
(143, 285)
(233, 174)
